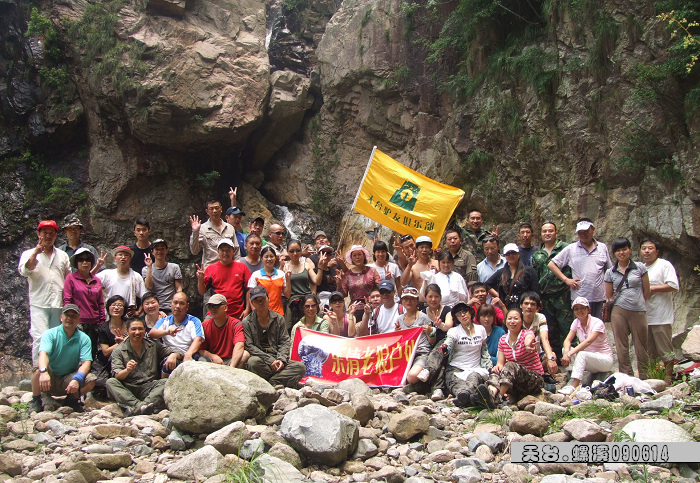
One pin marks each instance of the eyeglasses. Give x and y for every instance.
(294, 251)
(117, 306)
(280, 233)
(81, 260)
(312, 306)
(461, 313)
(512, 253)
(491, 239)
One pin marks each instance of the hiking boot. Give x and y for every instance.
(463, 399)
(74, 404)
(486, 397)
(550, 387)
(35, 406)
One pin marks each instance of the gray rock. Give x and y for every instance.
(466, 474)
(561, 468)
(252, 447)
(630, 402)
(321, 434)
(407, 424)
(110, 462)
(355, 386)
(660, 404)
(239, 395)
(548, 410)
(494, 443)
(141, 450)
(73, 476)
(42, 438)
(201, 464)
(656, 430)
(584, 430)
(527, 423)
(58, 428)
(20, 445)
(475, 462)
(229, 439)
(558, 437)
(484, 453)
(389, 474)
(691, 345)
(560, 479)
(516, 473)
(657, 385)
(278, 471)
(145, 423)
(365, 449)
(176, 442)
(98, 449)
(24, 385)
(86, 468)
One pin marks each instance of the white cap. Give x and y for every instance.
(424, 239)
(583, 226)
(580, 301)
(225, 241)
(511, 247)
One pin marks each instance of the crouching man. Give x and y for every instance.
(65, 357)
(268, 343)
(136, 367)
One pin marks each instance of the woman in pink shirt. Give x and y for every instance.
(85, 291)
(593, 354)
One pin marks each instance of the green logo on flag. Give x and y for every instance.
(406, 196)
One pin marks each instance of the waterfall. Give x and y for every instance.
(287, 220)
(274, 16)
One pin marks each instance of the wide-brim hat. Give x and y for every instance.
(123, 248)
(354, 248)
(78, 252)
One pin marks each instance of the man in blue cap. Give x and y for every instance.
(383, 318)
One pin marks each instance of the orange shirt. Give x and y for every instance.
(274, 284)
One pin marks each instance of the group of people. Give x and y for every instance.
(497, 323)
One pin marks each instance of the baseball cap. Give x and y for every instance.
(258, 218)
(580, 301)
(386, 285)
(324, 248)
(511, 247)
(217, 299)
(234, 210)
(409, 292)
(424, 239)
(69, 307)
(257, 292)
(225, 241)
(123, 248)
(583, 225)
(336, 295)
(160, 241)
(320, 233)
(47, 224)
(71, 220)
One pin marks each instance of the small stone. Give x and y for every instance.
(58, 428)
(251, 448)
(467, 474)
(110, 461)
(228, 439)
(352, 467)
(484, 453)
(10, 464)
(528, 423)
(20, 445)
(548, 410)
(105, 431)
(365, 449)
(407, 424)
(558, 437)
(176, 442)
(494, 443)
(660, 404)
(42, 438)
(475, 462)
(345, 409)
(73, 476)
(376, 463)
(515, 472)
(145, 422)
(657, 385)
(159, 444)
(585, 430)
(7, 414)
(389, 474)
(286, 453)
(526, 401)
(630, 402)
(98, 449)
(561, 468)
(201, 464)
(363, 406)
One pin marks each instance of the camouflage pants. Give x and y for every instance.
(520, 380)
(557, 309)
(458, 386)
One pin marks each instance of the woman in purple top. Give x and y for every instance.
(593, 354)
(85, 291)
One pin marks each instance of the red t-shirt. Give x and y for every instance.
(229, 281)
(221, 340)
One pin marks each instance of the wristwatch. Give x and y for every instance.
(43, 370)
(553, 358)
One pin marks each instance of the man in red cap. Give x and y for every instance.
(46, 268)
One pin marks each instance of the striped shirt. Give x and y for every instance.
(518, 353)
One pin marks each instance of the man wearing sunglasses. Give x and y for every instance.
(276, 239)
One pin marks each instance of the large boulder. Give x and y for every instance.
(203, 398)
(525, 422)
(407, 424)
(691, 345)
(321, 434)
(656, 430)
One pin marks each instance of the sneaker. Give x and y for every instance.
(35, 406)
(424, 375)
(438, 395)
(567, 390)
(550, 387)
(486, 397)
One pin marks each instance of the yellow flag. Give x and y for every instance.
(404, 200)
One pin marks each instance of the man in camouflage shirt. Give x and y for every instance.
(473, 236)
(556, 296)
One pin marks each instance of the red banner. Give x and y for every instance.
(379, 360)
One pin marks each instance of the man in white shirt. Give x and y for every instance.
(46, 268)
(123, 280)
(382, 319)
(493, 262)
(663, 282)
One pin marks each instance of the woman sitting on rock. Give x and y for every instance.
(339, 321)
(519, 370)
(109, 335)
(593, 353)
(438, 313)
(311, 319)
(468, 360)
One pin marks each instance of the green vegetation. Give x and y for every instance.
(243, 471)
(104, 56)
(208, 179)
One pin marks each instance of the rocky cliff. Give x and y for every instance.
(119, 109)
